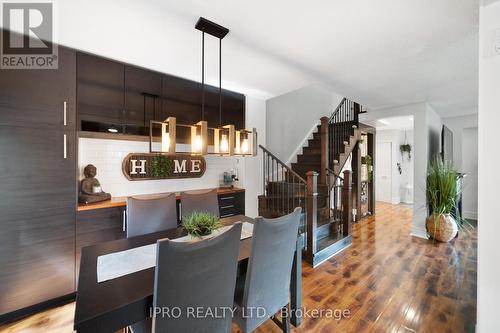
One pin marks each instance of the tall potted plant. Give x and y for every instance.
(442, 193)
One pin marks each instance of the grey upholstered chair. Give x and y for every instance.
(267, 281)
(146, 216)
(191, 275)
(200, 202)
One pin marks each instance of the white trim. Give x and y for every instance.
(419, 232)
(293, 156)
(470, 215)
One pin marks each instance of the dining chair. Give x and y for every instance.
(197, 201)
(195, 275)
(266, 284)
(146, 216)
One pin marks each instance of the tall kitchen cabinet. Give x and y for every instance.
(37, 184)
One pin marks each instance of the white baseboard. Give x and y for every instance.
(395, 200)
(419, 232)
(469, 215)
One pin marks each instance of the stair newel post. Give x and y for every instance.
(324, 150)
(312, 213)
(347, 203)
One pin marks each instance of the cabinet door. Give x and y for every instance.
(142, 96)
(100, 84)
(233, 109)
(181, 99)
(37, 186)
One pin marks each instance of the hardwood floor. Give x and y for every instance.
(387, 280)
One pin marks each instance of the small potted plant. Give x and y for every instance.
(199, 224)
(442, 193)
(406, 148)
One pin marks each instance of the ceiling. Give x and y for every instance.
(398, 123)
(380, 53)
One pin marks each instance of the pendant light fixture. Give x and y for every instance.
(167, 135)
(223, 135)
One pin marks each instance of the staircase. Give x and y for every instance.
(326, 201)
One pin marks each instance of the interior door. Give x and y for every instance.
(383, 165)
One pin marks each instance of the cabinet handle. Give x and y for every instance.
(225, 207)
(65, 151)
(226, 198)
(124, 226)
(65, 120)
(227, 215)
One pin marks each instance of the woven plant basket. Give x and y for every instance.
(442, 230)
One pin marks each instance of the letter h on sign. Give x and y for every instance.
(134, 167)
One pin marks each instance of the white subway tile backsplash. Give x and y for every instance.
(107, 156)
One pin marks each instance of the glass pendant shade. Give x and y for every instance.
(199, 142)
(224, 140)
(167, 135)
(246, 142)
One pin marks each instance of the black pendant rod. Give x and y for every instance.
(220, 81)
(202, 75)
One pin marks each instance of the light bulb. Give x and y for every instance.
(244, 146)
(198, 143)
(224, 144)
(165, 142)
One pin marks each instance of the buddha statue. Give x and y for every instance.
(90, 188)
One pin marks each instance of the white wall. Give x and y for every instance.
(457, 125)
(489, 177)
(252, 177)
(427, 126)
(406, 176)
(292, 117)
(465, 158)
(399, 181)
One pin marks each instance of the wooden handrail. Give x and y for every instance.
(331, 172)
(282, 164)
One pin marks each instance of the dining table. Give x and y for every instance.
(111, 305)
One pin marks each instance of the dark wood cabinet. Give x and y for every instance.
(38, 192)
(100, 87)
(233, 109)
(142, 96)
(232, 204)
(96, 226)
(124, 98)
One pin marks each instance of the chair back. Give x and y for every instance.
(267, 283)
(196, 275)
(146, 216)
(200, 202)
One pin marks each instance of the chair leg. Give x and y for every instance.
(285, 319)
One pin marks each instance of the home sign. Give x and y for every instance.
(145, 166)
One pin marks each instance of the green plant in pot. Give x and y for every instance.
(406, 148)
(198, 224)
(442, 193)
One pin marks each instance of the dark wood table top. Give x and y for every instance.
(129, 296)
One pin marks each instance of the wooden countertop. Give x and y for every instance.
(122, 201)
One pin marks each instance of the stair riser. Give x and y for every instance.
(309, 159)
